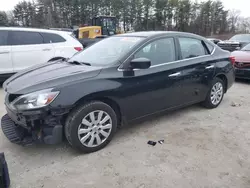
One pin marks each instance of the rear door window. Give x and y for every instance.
(52, 38)
(210, 47)
(25, 38)
(191, 47)
(3, 38)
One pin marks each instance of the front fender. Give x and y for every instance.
(71, 94)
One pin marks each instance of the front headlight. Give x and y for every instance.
(34, 100)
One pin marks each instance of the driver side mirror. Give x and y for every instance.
(140, 63)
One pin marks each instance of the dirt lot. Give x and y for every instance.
(203, 148)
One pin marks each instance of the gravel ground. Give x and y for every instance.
(203, 148)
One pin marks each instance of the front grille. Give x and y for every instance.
(242, 65)
(229, 47)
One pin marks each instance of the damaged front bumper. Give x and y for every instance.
(40, 126)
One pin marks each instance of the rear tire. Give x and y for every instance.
(91, 126)
(215, 94)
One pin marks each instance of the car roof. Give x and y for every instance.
(147, 34)
(32, 29)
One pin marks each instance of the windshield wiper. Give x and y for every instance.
(79, 63)
(88, 64)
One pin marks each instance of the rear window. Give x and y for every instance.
(25, 38)
(191, 47)
(3, 38)
(52, 38)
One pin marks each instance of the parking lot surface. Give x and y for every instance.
(202, 148)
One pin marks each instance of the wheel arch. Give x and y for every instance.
(224, 79)
(107, 100)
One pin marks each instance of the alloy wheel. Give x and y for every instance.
(95, 128)
(216, 93)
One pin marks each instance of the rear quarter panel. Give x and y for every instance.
(225, 67)
(63, 49)
(66, 49)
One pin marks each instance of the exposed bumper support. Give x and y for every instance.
(55, 137)
(19, 135)
(11, 131)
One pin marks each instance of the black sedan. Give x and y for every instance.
(113, 82)
(237, 42)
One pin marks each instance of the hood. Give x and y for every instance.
(229, 42)
(241, 56)
(241, 43)
(48, 75)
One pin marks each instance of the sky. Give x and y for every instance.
(229, 4)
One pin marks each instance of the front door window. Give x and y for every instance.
(159, 51)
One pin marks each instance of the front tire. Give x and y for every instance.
(91, 127)
(215, 94)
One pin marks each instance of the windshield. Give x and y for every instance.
(241, 38)
(106, 52)
(109, 23)
(246, 48)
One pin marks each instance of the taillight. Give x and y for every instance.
(78, 49)
(232, 59)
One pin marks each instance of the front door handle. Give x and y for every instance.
(175, 74)
(210, 67)
(5, 52)
(46, 49)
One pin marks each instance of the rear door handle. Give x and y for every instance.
(5, 52)
(210, 67)
(175, 74)
(46, 49)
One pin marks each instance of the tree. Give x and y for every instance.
(147, 10)
(205, 18)
(11, 18)
(233, 19)
(182, 15)
(243, 25)
(160, 16)
(194, 18)
(25, 13)
(170, 10)
(3, 18)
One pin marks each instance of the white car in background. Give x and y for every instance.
(21, 48)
